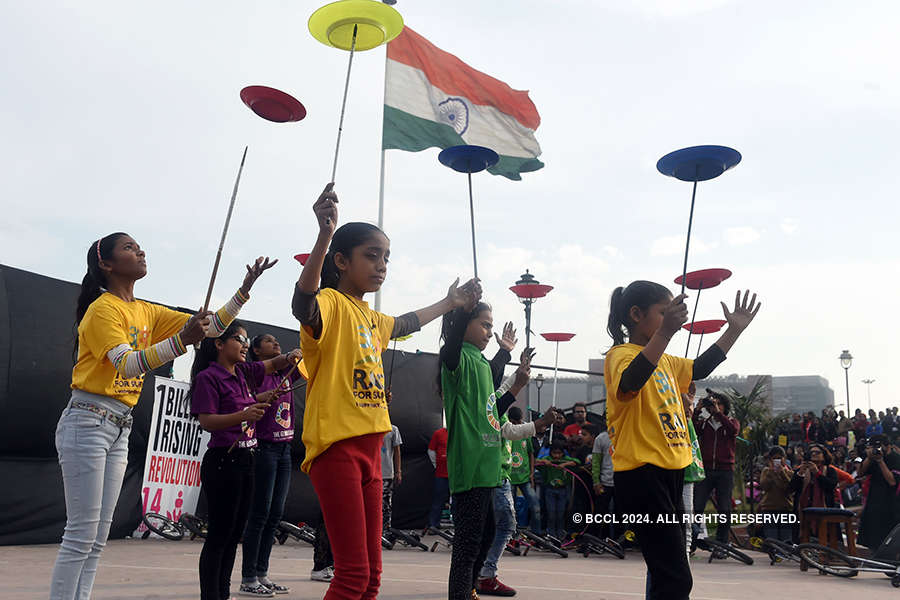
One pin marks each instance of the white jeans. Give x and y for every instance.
(93, 454)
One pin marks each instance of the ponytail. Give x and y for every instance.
(642, 294)
(94, 281)
(615, 325)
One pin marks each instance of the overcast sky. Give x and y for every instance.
(126, 116)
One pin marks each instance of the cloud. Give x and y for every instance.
(741, 236)
(788, 225)
(674, 244)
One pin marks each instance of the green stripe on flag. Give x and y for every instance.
(403, 131)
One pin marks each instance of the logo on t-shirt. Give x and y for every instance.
(491, 407)
(283, 415)
(516, 460)
(368, 381)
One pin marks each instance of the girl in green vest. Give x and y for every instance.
(468, 384)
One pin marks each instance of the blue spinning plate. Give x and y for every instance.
(468, 159)
(698, 163)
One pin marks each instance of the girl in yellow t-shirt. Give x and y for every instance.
(346, 413)
(119, 339)
(647, 425)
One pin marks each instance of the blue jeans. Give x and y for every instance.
(272, 479)
(93, 454)
(534, 505)
(557, 501)
(439, 496)
(504, 527)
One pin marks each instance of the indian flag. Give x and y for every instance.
(434, 99)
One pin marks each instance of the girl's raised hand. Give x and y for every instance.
(675, 315)
(294, 356)
(325, 209)
(259, 267)
(744, 311)
(523, 372)
(508, 341)
(466, 295)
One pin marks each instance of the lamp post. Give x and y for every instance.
(539, 383)
(528, 290)
(869, 383)
(846, 361)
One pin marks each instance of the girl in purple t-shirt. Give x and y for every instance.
(223, 397)
(272, 473)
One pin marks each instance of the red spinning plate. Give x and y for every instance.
(272, 105)
(301, 258)
(531, 290)
(705, 278)
(704, 327)
(557, 337)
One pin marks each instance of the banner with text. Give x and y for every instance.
(175, 450)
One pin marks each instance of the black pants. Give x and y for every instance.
(387, 502)
(473, 523)
(322, 550)
(228, 481)
(722, 482)
(653, 491)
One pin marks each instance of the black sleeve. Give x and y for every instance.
(707, 362)
(498, 364)
(452, 347)
(636, 374)
(405, 325)
(306, 310)
(505, 401)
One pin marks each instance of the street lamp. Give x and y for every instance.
(539, 383)
(846, 361)
(528, 290)
(869, 383)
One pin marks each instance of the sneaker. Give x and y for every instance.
(491, 586)
(326, 574)
(257, 590)
(278, 589)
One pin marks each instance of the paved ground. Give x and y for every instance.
(156, 569)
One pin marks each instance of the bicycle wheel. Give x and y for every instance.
(195, 525)
(409, 539)
(828, 560)
(728, 550)
(781, 550)
(163, 526)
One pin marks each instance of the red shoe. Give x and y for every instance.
(494, 587)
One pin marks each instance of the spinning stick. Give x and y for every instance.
(469, 159)
(556, 337)
(212, 279)
(697, 163)
(353, 25)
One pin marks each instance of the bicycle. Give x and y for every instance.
(719, 549)
(174, 530)
(300, 532)
(589, 544)
(777, 550)
(545, 543)
(409, 539)
(885, 559)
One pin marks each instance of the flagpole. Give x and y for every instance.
(381, 180)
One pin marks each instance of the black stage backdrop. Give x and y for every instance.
(36, 343)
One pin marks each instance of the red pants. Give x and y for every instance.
(347, 479)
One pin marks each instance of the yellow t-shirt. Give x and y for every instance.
(345, 394)
(650, 427)
(108, 322)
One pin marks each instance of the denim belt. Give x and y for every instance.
(121, 421)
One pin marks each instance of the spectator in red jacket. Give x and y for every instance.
(437, 452)
(717, 433)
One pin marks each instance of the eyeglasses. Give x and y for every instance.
(243, 340)
(815, 451)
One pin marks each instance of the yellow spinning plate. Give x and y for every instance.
(376, 23)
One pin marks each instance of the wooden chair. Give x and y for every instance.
(824, 518)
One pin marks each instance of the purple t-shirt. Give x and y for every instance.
(218, 392)
(277, 425)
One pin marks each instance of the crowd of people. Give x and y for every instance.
(656, 452)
